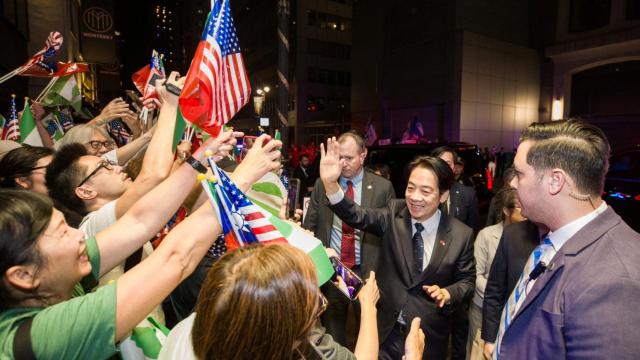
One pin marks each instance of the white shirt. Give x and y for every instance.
(428, 235)
(178, 344)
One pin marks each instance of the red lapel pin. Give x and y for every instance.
(442, 243)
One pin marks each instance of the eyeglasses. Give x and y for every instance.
(33, 169)
(103, 164)
(96, 145)
(323, 303)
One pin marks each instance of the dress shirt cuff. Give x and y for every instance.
(336, 197)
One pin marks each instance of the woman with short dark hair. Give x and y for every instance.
(48, 267)
(25, 168)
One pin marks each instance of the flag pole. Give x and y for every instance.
(283, 71)
(46, 89)
(9, 75)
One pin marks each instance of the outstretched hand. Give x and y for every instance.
(220, 145)
(165, 96)
(414, 345)
(260, 159)
(116, 108)
(369, 294)
(330, 163)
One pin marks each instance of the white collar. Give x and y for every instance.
(430, 225)
(559, 237)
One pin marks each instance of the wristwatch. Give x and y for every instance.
(196, 165)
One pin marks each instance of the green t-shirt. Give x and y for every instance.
(83, 327)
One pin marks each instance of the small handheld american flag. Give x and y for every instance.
(12, 126)
(217, 85)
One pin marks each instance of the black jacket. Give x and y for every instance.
(516, 244)
(464, 205)
(452, 266)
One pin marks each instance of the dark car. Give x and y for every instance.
(398, 157)
(622, 186)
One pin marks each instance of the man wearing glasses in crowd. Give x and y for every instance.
(101, 190)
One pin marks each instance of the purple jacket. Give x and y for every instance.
(587, 304)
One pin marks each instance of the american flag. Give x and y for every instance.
(243, 222)
(217, 85)
(284, 179)
(118, 132)
(39, 59)
(156, 72)
(12, 126)
(52, 127)
(65, 119)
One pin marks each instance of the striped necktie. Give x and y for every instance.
(543, 251)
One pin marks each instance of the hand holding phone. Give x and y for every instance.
(345, 280)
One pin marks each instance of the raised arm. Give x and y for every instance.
(374, 221)
(128, 151)
(146, 285)
(158, 158)
(152, 211)
(368, 343)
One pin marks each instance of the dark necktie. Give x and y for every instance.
(418, 248)
(348, 246)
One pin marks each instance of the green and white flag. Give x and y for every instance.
(268, 193)
(28, 131)
(145, 341)
(245, 222)
(64, 92)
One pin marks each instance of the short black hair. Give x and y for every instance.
(439, 167)
(437, 152)
(63, 175)
(20, 162)
(24, 216)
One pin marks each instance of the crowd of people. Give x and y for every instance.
(97, 236)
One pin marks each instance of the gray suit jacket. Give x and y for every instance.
(586, 305)
(376, 192)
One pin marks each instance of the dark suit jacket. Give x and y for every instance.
(376, 192)
(305, 180)
(464, 205)
(452, 266)
(585, 306)
(516, 244)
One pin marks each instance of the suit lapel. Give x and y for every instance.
(440, 247)
(406, 244)
(590, 233)
(366, 196)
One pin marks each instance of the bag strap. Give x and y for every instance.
(22, 349)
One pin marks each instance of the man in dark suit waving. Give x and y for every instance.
(427, 264)
(357, 249)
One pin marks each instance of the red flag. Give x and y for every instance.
(140, 78)
(217, 85)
